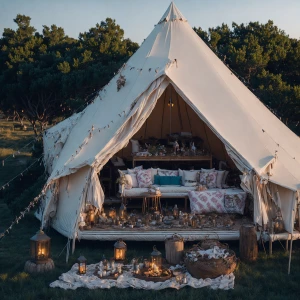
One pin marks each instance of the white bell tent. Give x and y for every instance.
(173, 57)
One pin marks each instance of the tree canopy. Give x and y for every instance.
(266, 59)
(48, 75)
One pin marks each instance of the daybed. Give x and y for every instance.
(215, 196)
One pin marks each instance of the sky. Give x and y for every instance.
(138, 17)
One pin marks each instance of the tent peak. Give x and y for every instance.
(172, 14)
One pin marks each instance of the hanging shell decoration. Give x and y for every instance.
(121, 82)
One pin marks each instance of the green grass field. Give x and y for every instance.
(265, 279)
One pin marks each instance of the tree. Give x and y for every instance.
(266, 60)
(47, 76)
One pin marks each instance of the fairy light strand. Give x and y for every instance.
(20, 174)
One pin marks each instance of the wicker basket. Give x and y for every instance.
(211, 268)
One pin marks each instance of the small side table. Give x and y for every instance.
(155, 202)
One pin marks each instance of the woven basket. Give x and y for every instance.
(211, 268)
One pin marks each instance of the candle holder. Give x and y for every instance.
(120, 249)
(81, 265)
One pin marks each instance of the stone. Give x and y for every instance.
(31, 267)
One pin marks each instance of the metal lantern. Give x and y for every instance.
(194, 221)
(112, 213)
(81, 265)
(91, 217)
(40, 247)
(122, 212)
(156, 257)
(175, 212)
(120, 249)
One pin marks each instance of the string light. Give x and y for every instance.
(21, 174)
(22, 214)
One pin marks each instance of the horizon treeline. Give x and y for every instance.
(45, 77)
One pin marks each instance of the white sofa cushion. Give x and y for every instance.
(169, 190)
(131, 181)
(190, 178)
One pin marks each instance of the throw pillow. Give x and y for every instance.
(156, 179)
(144, 178)
(224, 178)
(135, 146)
(135, 170)
(190, 178)
(162, 172)
(220, 175)
(153, 173)
(131, 181)
(207, 170)
(170, 180)
(209, 179)
(235, 203)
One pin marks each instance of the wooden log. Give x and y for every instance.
(248, 243)
(174, 247)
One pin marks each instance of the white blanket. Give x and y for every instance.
(71, 280)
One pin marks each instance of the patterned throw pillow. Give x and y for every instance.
(207, 201)
(235, 203)
(209, 179)
(167, 172)
(190, 178)
(144, 178)
(135, 170)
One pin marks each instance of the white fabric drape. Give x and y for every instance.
(95, 195)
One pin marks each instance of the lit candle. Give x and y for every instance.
(155, 268)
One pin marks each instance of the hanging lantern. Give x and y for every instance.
(156, 258)
(120, 249)
(81, 265)
(40, 247)
(170, 103)
(175, 212)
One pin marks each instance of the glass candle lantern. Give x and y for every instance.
(175, 212)
(112, 213)
(120, 249)
(40, 247)
(194, 221)
(156, 258)
(91, 217)
(81, 265)
(122, 212)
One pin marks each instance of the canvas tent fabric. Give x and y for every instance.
(259, 144)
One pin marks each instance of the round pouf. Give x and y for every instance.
(31, 267)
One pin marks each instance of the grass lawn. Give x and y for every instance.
(265, 279)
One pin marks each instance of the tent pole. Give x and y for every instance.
(292, 227)
(290, 256)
